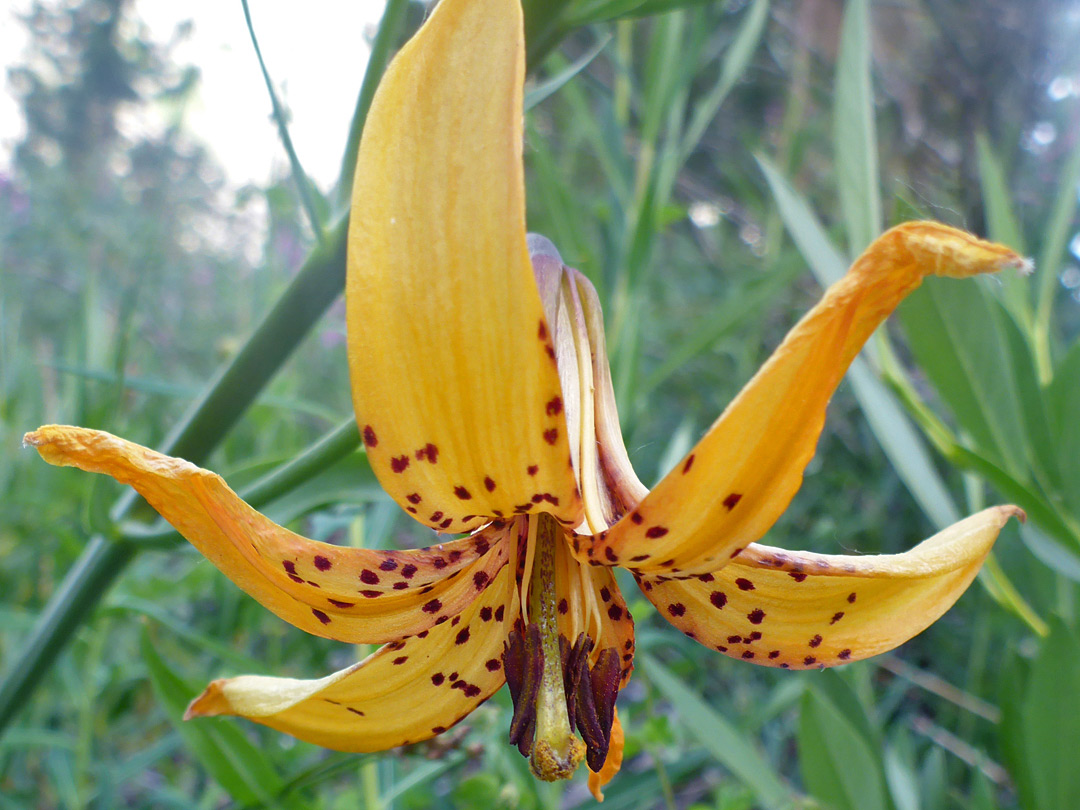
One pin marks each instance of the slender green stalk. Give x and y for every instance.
(318, 283)
(328, 450)
(303, 183)
(387, 38)
(73, 601)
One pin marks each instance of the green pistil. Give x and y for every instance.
(556, 751)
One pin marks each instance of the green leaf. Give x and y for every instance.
(956, 333)
(854, 137)
(725, 742)
(1002, 226)
(1048, 720)
(541, 91)
(901, 442)
(734, 64)
(836, 762)
(228, 756)
(810, 238)
(1063, 404)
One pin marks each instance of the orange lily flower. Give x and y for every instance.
(483, 396)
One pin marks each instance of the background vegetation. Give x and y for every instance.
(709, 165)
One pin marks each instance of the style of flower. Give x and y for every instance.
(483, 397)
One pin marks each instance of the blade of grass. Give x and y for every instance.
(1003, 226)
(1054, 240)
(386, 40)
(304, 185)
(854, 136)
(725, 742)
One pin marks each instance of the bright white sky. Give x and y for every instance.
(316, 58)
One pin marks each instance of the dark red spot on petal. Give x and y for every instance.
(851, 599)
(718, 599)
(816, 641)
(636, 518)
(322, 617)
(736, 553)
(446, 523)
(400, 586)
(688, 464)
(439, 563)
(731, 500)
(462, 493)
(462, 636)
(485, 613)
(677, 609)
(615, 613)
(554, 406)
(413, 498)
(756, 616)
(656, 531)
(734, 639)
(774, 654)
(797, 576)
(438, 678)
(408, 571)
(432, 453)
(399, 463)
(340, 604)
(471, 690)
(705, 577)
(605, 594)
(355, 711)
(369, 577)
(563, 606)
(370, 439)
(493, 664)
(744, 584)
(401, 659)
(533, 469)
(551, 436)
(289, 566)
(480, 579)
(499, 611)
(388, 565)
(541, 332)
(836, 617)
(844, 655)
(809, 660)
(639, 558)
(371, 594)
(489, 483)
(610, 554)
(432, 607)
(747, 654)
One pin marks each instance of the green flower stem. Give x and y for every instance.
(386, 40)
(315, 287)
(69, 607)
(328, 450)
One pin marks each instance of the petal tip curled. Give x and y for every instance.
(945, 251)
(210, 703)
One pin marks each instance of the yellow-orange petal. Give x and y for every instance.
(348, 594)
(453, 372)
(730, 489)
(405, 692)
(613, 762)
(799, 610)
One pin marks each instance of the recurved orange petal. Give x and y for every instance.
(730, 489)
(348, 594)
(799, 610)
(405, 692)
(453, 371)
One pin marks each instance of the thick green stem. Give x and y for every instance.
(556, 751)
(319, 282)
(76, 597)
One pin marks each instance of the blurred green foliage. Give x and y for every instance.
(128, 277)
